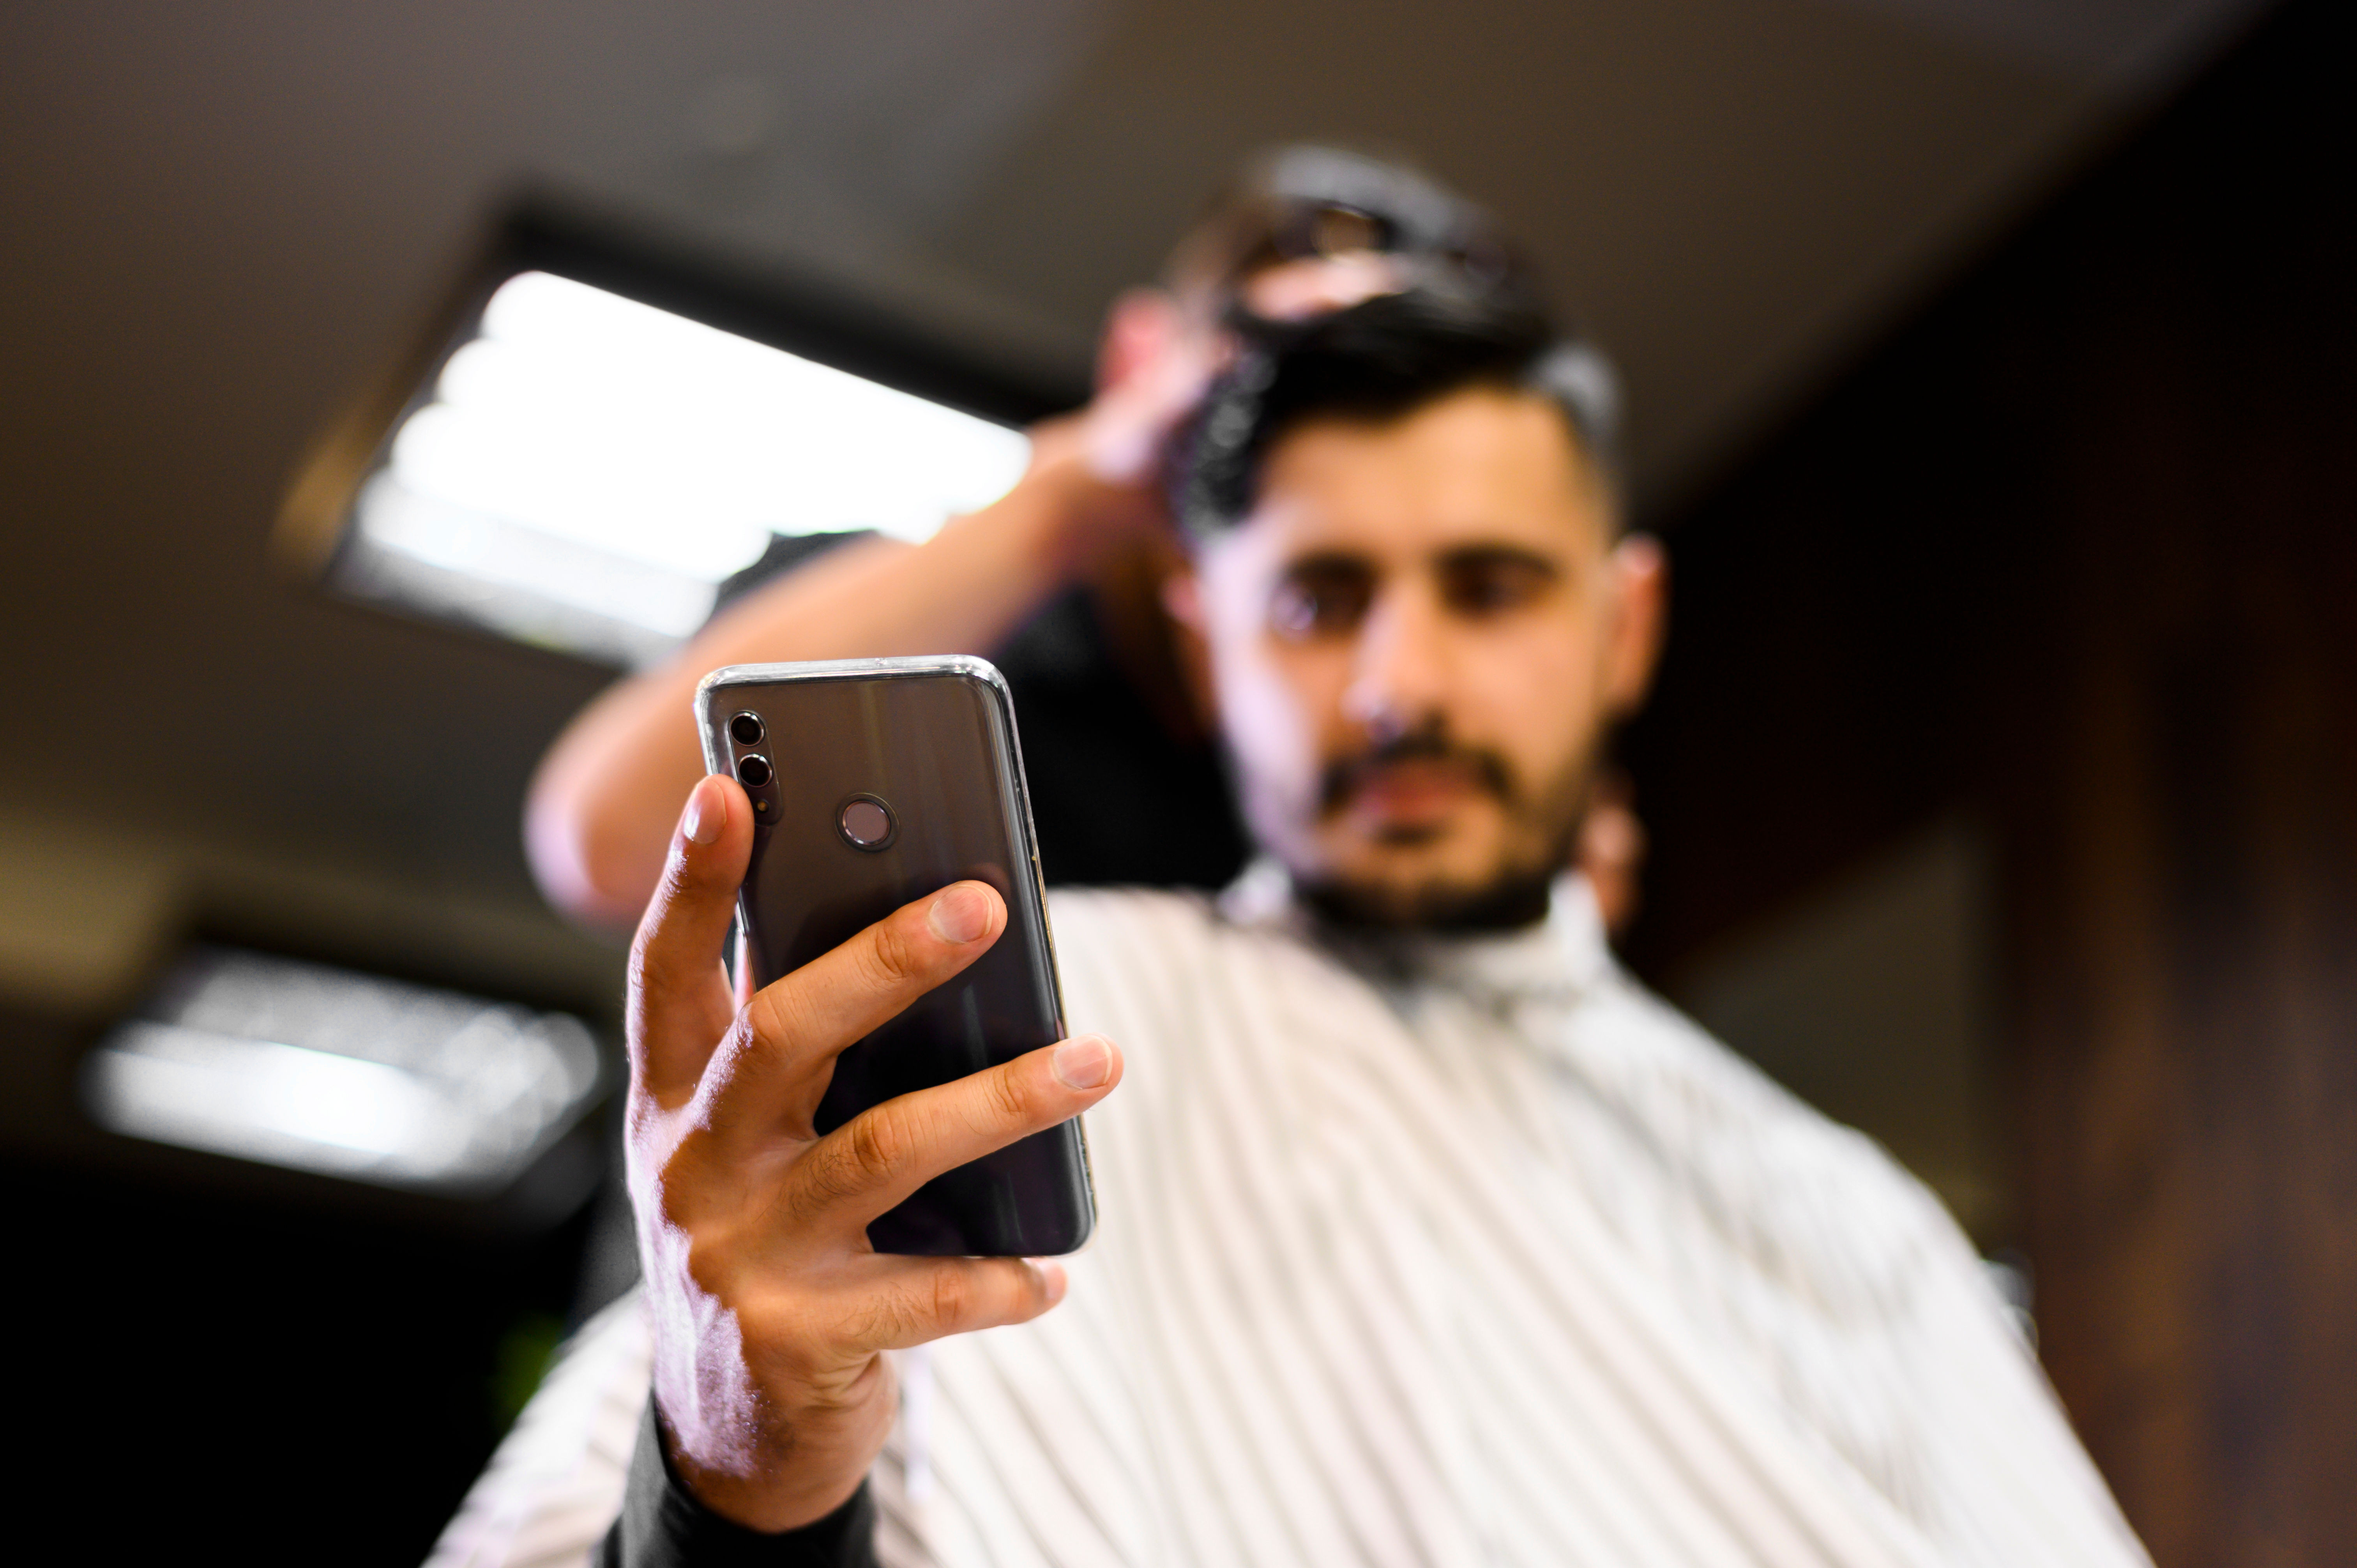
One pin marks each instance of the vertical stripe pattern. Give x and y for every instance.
(1430, 1255)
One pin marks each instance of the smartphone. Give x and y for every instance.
(875, 783)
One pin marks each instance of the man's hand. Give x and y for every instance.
(770, 1309)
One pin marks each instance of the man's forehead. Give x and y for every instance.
(1482, 465)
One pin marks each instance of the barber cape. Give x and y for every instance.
(1432, 1252)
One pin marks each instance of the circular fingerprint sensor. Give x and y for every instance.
(866, 822)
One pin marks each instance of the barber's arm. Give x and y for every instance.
(603, 799)
(594, 820)
(770, 1312)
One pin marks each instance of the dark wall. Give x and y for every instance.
(2075, 552)
(278, 1381)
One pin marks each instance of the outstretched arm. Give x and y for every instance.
(602, 802)
(601, 806)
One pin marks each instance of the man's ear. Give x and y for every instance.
(1138, 331)
(1640, 571)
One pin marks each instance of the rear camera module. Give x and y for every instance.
(747, 728)
(754, 771)
(866, 822)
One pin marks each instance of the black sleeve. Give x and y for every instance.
(662, 1526)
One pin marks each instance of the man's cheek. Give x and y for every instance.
(1540, 725)
(1275, 742)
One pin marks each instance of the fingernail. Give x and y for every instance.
(1052, 1279)
(1083, 1063)
(708, 812)
(960, 915)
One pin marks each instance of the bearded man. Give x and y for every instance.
(1427, 1236)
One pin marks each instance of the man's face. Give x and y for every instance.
(1415, 640)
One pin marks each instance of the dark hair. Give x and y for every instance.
(1377, 361)
(1288, 203)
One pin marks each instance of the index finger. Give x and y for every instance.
(767, 1071)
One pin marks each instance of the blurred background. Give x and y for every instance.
(1991, 372)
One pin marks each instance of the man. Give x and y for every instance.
(1425, 1236)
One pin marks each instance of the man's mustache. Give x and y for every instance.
(1343, 777)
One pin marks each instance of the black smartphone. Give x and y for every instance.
(874, 782)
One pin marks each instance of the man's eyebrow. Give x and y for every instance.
(1488, 557)
(1321, 562)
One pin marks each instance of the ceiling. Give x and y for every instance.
(218, 221)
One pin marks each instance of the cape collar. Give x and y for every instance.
(1560, 955)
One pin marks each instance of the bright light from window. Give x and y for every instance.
(591, 468)
(324, 1069)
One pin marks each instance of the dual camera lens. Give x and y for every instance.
(746, 729)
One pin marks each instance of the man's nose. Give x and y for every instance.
(1399, 678)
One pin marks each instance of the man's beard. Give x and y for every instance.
(1508, 902)
(1516, 895)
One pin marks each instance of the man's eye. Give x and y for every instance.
(1318, 604)
(1487, 587)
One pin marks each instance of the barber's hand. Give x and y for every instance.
(770, 1309)
(1154, 365)
(1100, 463)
